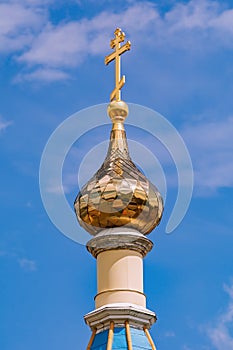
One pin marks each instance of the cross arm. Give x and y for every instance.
(112, 56)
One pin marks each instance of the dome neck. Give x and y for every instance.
(118, 146)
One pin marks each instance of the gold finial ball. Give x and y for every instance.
(118, 111)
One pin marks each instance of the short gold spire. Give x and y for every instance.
(119, 50)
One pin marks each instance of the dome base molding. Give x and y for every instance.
(137, 316)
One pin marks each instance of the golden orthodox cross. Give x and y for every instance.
(119, 50)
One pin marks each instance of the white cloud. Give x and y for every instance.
(34, 2)
(220, 333)
(63, 45)
(43, 46)
(199, 14)
(170, 334)
(211, 149)
(224, 21)
(67, 44)
(27, 265)
(192, 15)
(43, 74)
(31, 3)
(18, 25)
(4, 124)
(24, 263)
(229, 290)
(196, 26)
(185, 347)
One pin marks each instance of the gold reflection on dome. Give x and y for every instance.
(118, 194)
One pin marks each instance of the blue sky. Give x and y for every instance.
(52, 65)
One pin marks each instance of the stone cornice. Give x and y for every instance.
(137, 316)
(119, 238)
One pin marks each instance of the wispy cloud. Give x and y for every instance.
(24, 263)
(4, 124)
(29, 2)
(185, 347)
(55, 45)
(45, 46)
(203, 23)
(27, 265)
(43, 75)
(18, 26)
(211, 148)
(169, 334)
(220, 332)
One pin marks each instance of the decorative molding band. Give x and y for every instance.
(112, 239)
(119, 290)
(137, 316)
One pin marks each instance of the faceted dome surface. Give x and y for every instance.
(118, 194)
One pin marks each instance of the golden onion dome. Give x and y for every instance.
(118, 194)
